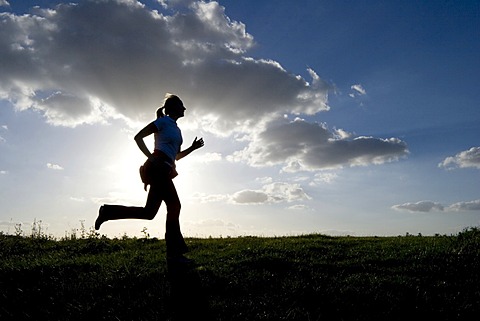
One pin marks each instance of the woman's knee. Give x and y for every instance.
(149, 213)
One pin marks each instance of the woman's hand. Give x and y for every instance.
(197, 143)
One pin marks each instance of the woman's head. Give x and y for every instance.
(172, 106)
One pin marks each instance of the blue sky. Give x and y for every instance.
(335, 117)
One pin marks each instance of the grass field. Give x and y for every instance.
(311, 277)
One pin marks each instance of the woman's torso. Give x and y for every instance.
(168, 139)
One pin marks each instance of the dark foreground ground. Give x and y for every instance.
(311, 277)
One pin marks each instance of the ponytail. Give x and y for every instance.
(160, 113)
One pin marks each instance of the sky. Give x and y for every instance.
(337, 117)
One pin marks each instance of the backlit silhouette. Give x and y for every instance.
(158, 171)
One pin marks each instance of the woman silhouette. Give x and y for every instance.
(168, 139)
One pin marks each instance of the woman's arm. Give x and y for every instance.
(146, 131)
(195, 145)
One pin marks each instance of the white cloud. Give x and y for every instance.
(125, 56)
(204, 198)
(4, 3)
(2, 172)
(292, 166)
(465, 206)
(211, 157)
(429, 206)
(465, 159)
(77, 199)
(54, 166)
(298, 207)
(341, 134)
(212, 223)
(285, 192)
(311, 146)
(250, 197)
(323, 178)
(272, 192)
(264, 180)
(5, 128)
(175, 3)
(69, 110)
(421, 206)
(358, 90)
(212, 227)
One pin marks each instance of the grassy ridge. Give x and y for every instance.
(311, 277)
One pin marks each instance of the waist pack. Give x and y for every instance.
(149, 170)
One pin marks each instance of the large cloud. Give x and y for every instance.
(311, 146)
(102, 57)
(464, 159)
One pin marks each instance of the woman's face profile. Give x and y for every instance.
(178, 110)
